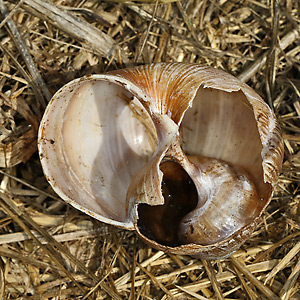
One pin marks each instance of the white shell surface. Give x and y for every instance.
(98, 137)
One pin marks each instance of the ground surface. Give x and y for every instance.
(52, 251)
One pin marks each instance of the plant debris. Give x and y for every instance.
(49, 250)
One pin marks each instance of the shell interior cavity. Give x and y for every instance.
(184, 154)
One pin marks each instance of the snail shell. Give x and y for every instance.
(186, 155)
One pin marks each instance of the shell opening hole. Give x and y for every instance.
(160, 223)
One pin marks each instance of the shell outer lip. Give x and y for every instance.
(220, 250)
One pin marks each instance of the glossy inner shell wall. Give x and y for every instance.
(222, 125)
(104, 136)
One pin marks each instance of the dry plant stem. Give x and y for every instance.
(29, 80)
(124, 279)
(89, 14)
(266, 291)
(104, 277)
(23, 108)
(188, 23)
(290, 283)
(276, 245)
(284, 262)
(211, 275)
(155, 281)
(16, 215)
(147, 32)
(298, 211)
(139, 11)
(133, 266)
(195, 295)
(271, 62)
(7, 205)
(31, 186)
(22, 236)
(10, 14)
(203, 283)
(247, 289)
(163, 44)
(144, 1)
(2, 280)
(287, 40)
(294, 224)
(36, 77)
(11, 154)
(99, 42)
(5, 252)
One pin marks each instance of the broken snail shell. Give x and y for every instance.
(186, 155)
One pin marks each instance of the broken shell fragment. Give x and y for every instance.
(185, 155)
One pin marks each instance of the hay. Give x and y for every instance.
(51, 251)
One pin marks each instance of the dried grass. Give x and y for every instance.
(51, 251)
